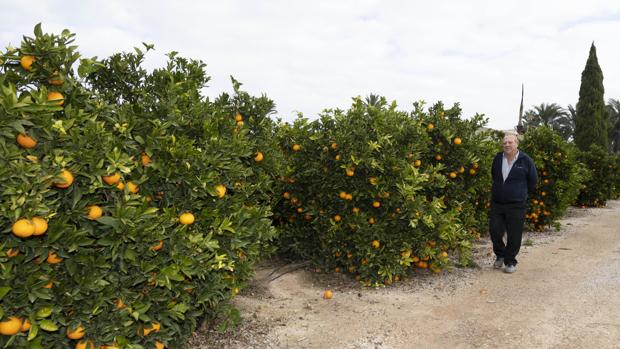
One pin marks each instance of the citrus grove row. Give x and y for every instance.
(133, 208)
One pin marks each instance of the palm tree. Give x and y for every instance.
(569, 123)
(373, 100)
(613, 108)
(550, 115)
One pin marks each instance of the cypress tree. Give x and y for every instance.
(591, 121)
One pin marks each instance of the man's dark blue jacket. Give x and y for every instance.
(521, 179)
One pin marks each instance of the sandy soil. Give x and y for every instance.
(565, 294)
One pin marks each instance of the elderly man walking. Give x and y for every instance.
(514, 175)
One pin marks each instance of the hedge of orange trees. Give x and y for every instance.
(601, 184)
(131, 206)
(374, 191)
(560, 176)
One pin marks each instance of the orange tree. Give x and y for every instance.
(128, 215)
(560, 176)
(616, 175)
(600, 185)
(463, 151)
(362, 196)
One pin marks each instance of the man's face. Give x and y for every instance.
(510, 145)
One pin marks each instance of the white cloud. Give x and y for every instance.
(313, 55)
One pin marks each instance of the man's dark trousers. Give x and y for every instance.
(507, 218)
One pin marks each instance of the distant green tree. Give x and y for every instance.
(613, 108)
(570, 123)
(551, 115)
(373, 100)
(591, 123)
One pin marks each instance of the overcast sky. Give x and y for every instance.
(311, 55)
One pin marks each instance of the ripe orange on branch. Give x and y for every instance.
(85, 345)
(26, 62)
(23, 228)
(56, 79)
(40, 226)
(76, 333)
(56, 97)
(26, 325)
(145, 160)
(132, 187)
(158, 246)
(220, 190)
(258, 157)
(186, 218)
(111, 179)
(10, 326)
(94, 212)
(25, 141)
(65, 179)
(146, 330)
(52, 258)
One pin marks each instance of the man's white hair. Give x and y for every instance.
(512, 134)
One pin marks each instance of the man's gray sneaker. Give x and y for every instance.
(510, 269)
(499, 262)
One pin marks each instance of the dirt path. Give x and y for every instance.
(565, 294)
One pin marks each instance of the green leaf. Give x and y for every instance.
(34, 330)
(130, 255)
(3, 291)
(151, 210)
(44, 312)
(37, 30)
(48, 325)
(111, 221)
(180, 308)
(106, 241)
(39, 293)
